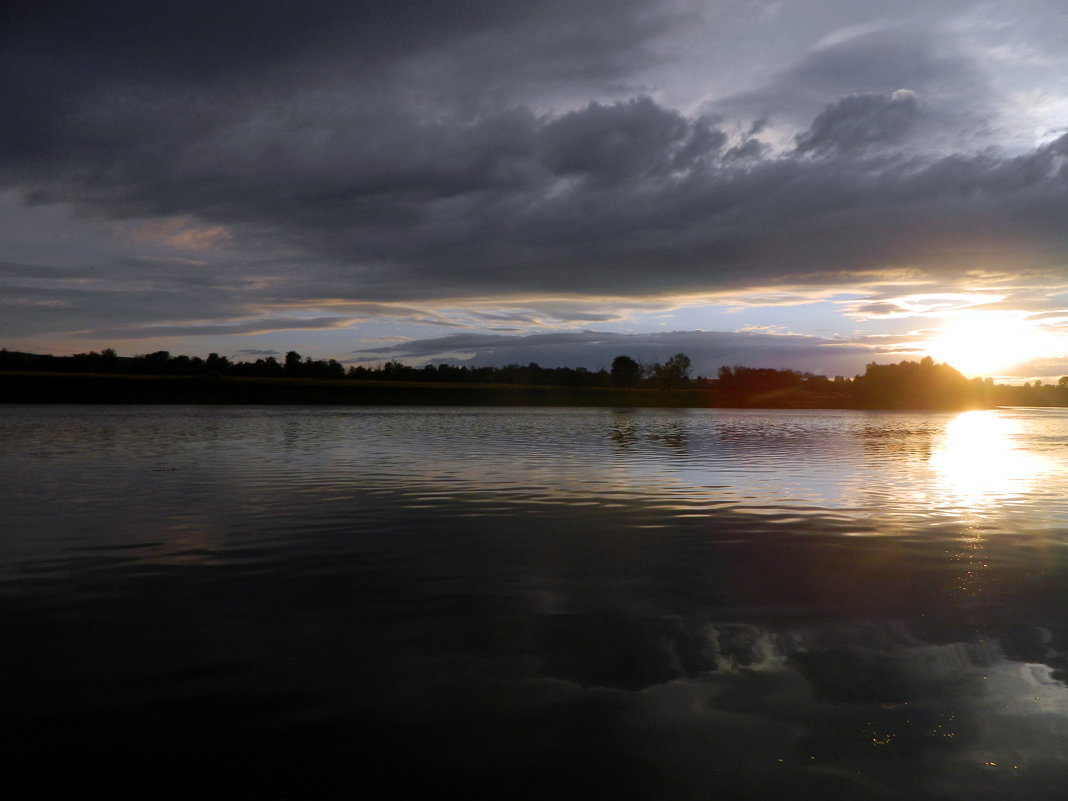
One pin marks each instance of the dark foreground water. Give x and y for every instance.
(542, 603)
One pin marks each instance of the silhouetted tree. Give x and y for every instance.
(914, 385)
(292, 364)
(672, 374)
(626, 372)
(216, 364)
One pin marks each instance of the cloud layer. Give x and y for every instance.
(394, 152)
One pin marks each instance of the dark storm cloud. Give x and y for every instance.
(874, 63)
(401, 151)
(134, 66)
(889, 59)
(14, 270)
(82, 305)
(860, 121)
(594, 350)
(624, 142)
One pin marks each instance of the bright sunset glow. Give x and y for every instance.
(979, 345)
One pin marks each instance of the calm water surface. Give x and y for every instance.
(538, 603)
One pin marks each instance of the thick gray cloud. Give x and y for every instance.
(594, 350)
(857, 122)
(918, 58)
(630, 196)
(407, 152)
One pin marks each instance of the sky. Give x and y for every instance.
(814, 184)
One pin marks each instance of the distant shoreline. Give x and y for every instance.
(91, 388)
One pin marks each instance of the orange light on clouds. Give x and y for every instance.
(180, 233)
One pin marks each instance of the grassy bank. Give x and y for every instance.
(38, 387)
(28, 387)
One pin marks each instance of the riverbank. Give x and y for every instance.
(33, 387)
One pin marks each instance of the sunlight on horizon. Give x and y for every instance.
(981, 344)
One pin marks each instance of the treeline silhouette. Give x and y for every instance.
(905, 385)
(626, 372)
(161, 362)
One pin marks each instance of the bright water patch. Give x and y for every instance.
(306, 602)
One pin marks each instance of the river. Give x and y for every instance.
(297, 602)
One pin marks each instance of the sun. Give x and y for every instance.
(982, 344)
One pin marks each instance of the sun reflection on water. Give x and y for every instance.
(978, 464)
